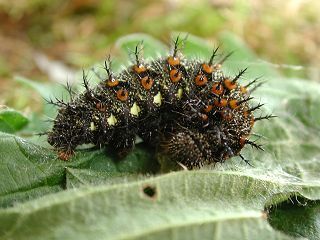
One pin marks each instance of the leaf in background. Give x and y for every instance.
(47, 91)
(152, 48)
(243, 57)
(193, 46)
(41, 122)
(11, 120)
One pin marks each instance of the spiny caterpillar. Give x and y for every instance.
(186, 109)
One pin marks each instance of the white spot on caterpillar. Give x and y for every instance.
(112, 120)
(135, 109)
(157, 99)
(92, 126)
(179, 93)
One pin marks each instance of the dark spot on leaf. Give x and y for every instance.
(150, 191)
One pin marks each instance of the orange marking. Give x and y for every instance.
(201, 80)
(252, 121)
(122, 94)
(245, 114)
(217, 89)
(229, 84)
(112, 82)
(173, 61)
(242, 141)
(222, 103)
(207, 68)
(65, 155)
(147, 82)
(139, 69)
(175, 75)
(208, 108)
(101, 107)
(233, 103)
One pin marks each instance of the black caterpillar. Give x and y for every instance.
(187, 109)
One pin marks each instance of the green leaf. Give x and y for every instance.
(293, 137)
(199, 204)
(297, 218)
(29, 171)
(12, 121)
(183, 203)
(80, 177)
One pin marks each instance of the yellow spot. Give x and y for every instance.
(112, 120)
(179, 93)
(157, 99)
(92, 126)
(135, 109)
(243, 90)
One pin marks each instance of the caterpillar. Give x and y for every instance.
(187, 109)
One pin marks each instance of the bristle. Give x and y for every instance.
(256, 107)
(245, 160)
(85, 82)
(70, 91)
(256, 87)
(253, 144)
(178, 45)
(225, 58)
(213, 55)
(252, 82)
(137, 52)
(267, 117)
(241, 72)
(58, 102)
(107, 66)
(245, 100)
(175, 46)
(51, 102)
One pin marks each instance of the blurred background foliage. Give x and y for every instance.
(50, 40)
